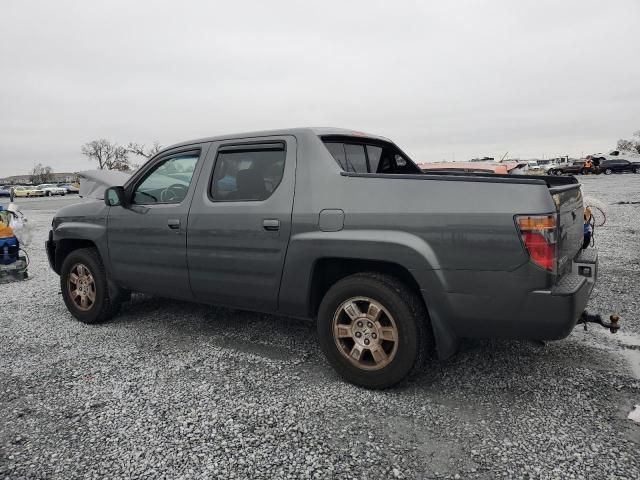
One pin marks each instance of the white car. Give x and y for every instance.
(27, 191)
(51, 189)
(617, 155)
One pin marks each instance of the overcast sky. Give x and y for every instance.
(444, 79)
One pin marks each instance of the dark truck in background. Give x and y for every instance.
(609, 166)
(341, 227)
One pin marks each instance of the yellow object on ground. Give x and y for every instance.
(6, 231)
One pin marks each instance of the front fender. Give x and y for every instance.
(80, 231)
(79, 225)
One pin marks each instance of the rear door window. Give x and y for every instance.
(247, 173)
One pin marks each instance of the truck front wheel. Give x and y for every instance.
(83, 282)
(373, 330)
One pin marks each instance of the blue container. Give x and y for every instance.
(9, 248)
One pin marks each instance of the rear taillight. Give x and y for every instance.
(539, 235)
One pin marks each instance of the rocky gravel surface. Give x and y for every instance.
(174, 390)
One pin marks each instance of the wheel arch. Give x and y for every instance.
(326, 271)
(65, 246)
(408, 256)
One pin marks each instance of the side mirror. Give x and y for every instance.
(114, 196)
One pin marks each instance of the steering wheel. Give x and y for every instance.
(175, 192)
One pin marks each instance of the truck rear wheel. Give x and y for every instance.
(373, 330)
(84, 287)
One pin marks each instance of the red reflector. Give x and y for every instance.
(542, 253)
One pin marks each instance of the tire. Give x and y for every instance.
(102, 307)
(48, 194)
(400, 307)
(636, 170)
(559, 172)
(608, 171)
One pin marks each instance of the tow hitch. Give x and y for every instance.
(613, 324)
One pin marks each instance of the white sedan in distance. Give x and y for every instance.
(51, 189)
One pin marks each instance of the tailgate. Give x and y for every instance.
(568, 200)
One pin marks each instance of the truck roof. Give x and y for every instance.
(319, 131)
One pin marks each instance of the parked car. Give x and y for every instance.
(618, 166)
(389, 260)
(51, 189)
(574, 168)
(551, 166)
(617, 155)
(5, 191)
(70, 188)
(27, 191)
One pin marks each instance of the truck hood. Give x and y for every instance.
(89, 211)
(93, 183)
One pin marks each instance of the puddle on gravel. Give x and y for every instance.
(625, 344)
(631, 351)
(635, 414)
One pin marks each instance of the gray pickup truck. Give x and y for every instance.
(341, 227)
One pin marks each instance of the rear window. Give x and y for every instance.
(358, 155)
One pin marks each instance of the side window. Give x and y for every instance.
(400, 160)
(168, 181)
(356, 158)
(369, 158)
(337, 150)
(374, 153)
(250, 174)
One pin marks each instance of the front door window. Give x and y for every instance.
(168, 181)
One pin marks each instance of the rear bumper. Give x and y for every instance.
(552, 314)
(505, 311)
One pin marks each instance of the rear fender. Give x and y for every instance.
(404, 249)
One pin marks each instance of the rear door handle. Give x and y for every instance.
(271, 224)
(173, 223)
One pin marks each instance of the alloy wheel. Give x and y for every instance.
(365, 333)
(82, 287)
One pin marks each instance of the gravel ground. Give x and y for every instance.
(174, 390)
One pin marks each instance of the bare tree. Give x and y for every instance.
(110, 156)
(142, 151)
(632, 145)
(41, 174)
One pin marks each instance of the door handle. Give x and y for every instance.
(271, 224)
(173, 223)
